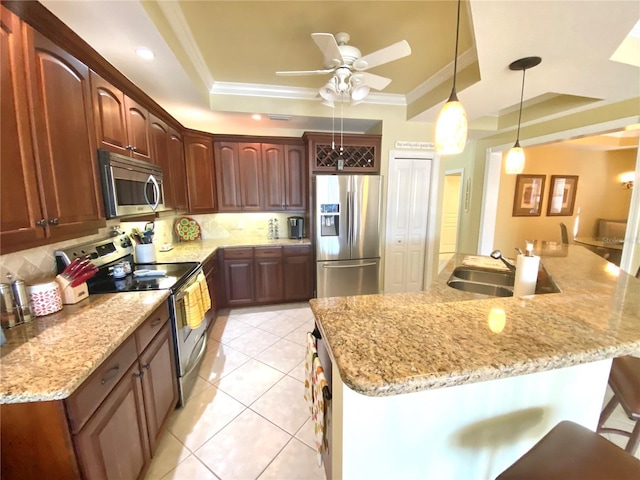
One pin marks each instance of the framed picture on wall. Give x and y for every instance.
(562, 195)
(528, 196)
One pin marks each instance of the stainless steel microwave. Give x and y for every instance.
(130, 186)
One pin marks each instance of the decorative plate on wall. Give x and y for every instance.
(187, 229)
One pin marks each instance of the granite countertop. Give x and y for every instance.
(401, 343)
(48, 358)
(200, 250)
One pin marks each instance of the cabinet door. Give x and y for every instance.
(273, 171)
(238, 282)
(177, 170)
(159, 383)
(295, 177)
(298, 278)
(250, 173)
(114, 443)
(109, 113)
(227, 176)
(20, 207)
(137, 129)
(269, 284)
(200, 174)
(159, 133)
(64, 130)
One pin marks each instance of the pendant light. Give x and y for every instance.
(451, 127)
(515, 158)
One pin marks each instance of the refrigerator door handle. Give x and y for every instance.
(350, 266)
(349, 218)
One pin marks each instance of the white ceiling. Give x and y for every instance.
(234, 48)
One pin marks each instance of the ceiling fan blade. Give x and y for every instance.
(305, 72)
(384, 55)
(375, 81)
(329, 48)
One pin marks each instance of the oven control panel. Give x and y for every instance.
(100, 252)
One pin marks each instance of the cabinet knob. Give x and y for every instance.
(54, 221)
(146, 366)
(41, 223)
(134, 149)
(139, 374)
(129, 147)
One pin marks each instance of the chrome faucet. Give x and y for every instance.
(497, 254)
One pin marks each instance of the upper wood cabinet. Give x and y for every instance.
(20, 207)
(360, 153)
(201, 178)
(159, 137)
(177, 170)
(122, 125)
(52, 191)
(255, 176)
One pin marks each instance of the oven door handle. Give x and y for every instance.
(156, 192)
(203, 350)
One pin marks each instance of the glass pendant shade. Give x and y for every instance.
(514, 164)
(451, 128)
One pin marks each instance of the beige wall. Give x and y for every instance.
(599, 194)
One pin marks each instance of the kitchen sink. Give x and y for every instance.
(496, 283)
(483, 288)
(484, 276)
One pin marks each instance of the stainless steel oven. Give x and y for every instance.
(189, 343)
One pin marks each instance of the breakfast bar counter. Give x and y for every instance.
(452, 384)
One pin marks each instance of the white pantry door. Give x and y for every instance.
(407, 221)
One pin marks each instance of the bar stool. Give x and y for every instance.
(624, 380)
(572, 452)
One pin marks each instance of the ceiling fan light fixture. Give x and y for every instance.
(329, 92)
(359, 92)
(514, 164)
(451, 126)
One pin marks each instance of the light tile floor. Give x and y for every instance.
(246, 418)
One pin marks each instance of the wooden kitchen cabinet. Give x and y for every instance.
(20, 203)
(298, 272)
(263, 275)
(52, 193)
(238, 268)
(238, 176)
(201, 179)
(361, 153)
(177, 171)
(295, 178)
(110, 426)
(122, 125)
(269, 274)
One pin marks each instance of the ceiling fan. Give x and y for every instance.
(348, 67)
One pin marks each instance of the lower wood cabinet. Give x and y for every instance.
(109, 428)
(263, 275)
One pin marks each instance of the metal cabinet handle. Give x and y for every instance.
(156, 322)
(134, 149)
(146, 366)
(54, 221)
(129, 147)
(139, 374)
(41, 223)
(112, 372)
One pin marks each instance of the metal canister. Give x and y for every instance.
(22, 301)
(8, 313)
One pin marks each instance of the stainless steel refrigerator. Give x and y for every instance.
(347, 234)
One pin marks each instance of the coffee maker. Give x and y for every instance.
(296, 227)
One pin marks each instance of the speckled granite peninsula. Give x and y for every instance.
(452, 384)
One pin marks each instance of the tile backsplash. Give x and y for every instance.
(38, 263)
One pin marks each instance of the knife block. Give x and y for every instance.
(71, 295)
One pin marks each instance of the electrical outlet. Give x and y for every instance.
(240, 225)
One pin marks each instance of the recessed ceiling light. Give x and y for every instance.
(256, 116)
(145, 53)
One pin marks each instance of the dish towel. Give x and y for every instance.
(197, 302)
(314, 385)
(320, 413)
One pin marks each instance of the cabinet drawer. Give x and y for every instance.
(231, 253)
(292, 250)
(151, 326)
(86, 399)
(267, 252)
